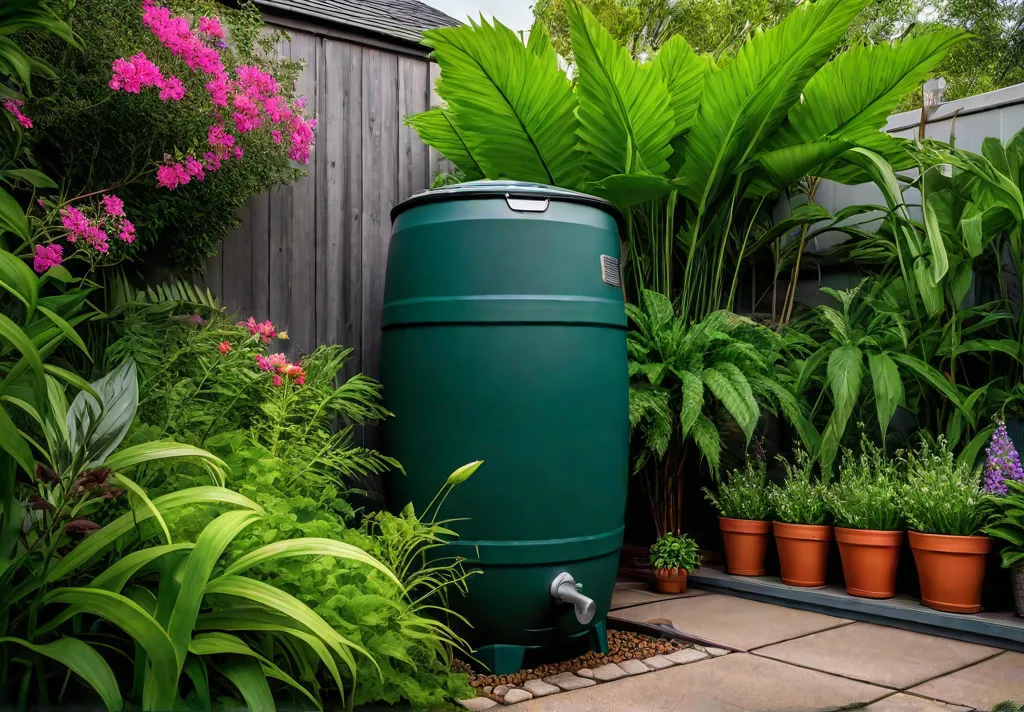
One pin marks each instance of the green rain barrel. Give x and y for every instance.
(504, 340)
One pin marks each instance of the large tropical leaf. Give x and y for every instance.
(683, 72)
(739, 402)
(248, 677)
(437, 129)
(845, 371)
(885, 377)
(693, 401)
(626, 122)
(310, 546)
(747, 99)
(513, 109)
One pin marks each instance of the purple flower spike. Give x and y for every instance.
(1002, 463)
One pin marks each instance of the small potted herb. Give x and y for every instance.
(942, 505)
(801, 532)
(1004, 483)
(673, 557)
(745, 517)
(865, 507)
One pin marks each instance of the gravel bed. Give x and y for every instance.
(622, 645)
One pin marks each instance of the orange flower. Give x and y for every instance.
(224, 346)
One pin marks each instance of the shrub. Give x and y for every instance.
(801, 498)
(675, 551)
(744, 493)
(1007, 523)
(140, 109)
(867, 494)
(941, 495)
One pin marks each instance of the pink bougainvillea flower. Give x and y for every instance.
(171, 175)
(278, 380)
(172, 89)
(194, 168)
(237, 153)
(75, 222)
(219, 139)
(300, 102)
(218, 88)
(127, 232)
(211, 27)
(211, 161)
(224, 346)
(13, 107)
(113, 205)
(47, 256)
(276, 135)
(134, 73)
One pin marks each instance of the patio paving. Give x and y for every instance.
(793, 661)
(624, 597)
(731, 622)
(879, 655)
(983, 685)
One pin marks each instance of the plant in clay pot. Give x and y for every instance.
(673, 557)
(942, 503)
(744, 516)
(802, 534)
(1004, 482)
(865, 507)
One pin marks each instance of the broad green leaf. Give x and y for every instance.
(709, 442)
(97, 427)
(137, 496)
(195, 668)
(931, 376)
(513, 109)
(37, 179)
(626, 122)
(12, 217)
(247, 675)
(139, 626)
(888, 387)
(971, 228)
(312, 546)
(19, 339)
(693, 402)
(683, 72)
(68, 331)
(940, 261)
(83, 660)
(746, 100)
(845, 371)
(210, 545)
(12, 442)
(738, 404)
(117, 574)
(162, 450)
(17, 278)
(539, 44)
(437, 129)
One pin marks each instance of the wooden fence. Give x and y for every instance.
(311, 256)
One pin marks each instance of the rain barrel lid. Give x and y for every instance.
(479, 189)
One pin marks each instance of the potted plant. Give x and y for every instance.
(1004, 483)
(801, 533)
(745, 517)
(865, 508)
(673, 557)
(942, 505)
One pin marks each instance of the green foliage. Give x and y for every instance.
(801, 497)
(675, 551)
(942, 495)
(1008, 706)
(867, 493)
(1006, 522)
(93, 138)
(694, 149)
(743, 493)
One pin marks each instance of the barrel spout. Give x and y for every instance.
(564, 589)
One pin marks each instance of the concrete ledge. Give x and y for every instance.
(1002, 630)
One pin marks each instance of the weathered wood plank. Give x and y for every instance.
(259, 249)
(380, 188)
(438, 164)
(236, 288)
(351, 219)
(279, 240)
(413, 154)
(301, 270)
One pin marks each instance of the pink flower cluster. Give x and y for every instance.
(279, 363)
(265, 330)
(47, 256)
(252, 97)
(96, 233)
(13, 107)
(136, 72)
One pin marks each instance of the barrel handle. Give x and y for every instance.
(526, 205)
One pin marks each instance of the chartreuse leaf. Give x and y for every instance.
(84, 661)
(437, 128)
(312, 546)
(626, 123)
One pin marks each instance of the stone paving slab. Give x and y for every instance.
(730, 621)
(632, 596)
(568, 681)
(902, 702)
(539, 688)
(884, 656)
(634, 667)
(727, 683)
(609, 672)
(981, 686)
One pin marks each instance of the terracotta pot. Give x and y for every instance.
(746, 541)
(803, 552)
(951, 570)
(670, 580)
(870, 558)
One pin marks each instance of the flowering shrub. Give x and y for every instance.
(13, 107)
(183, 109)
(1002, 462)
(83, 229)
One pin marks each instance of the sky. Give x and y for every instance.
(515, 14)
